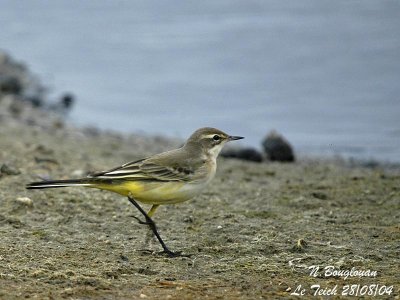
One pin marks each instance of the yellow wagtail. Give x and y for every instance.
(166, 178)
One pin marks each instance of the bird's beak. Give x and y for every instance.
(234, 138)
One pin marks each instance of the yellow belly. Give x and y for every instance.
(156, 192)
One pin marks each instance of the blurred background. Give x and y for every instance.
(325, 74)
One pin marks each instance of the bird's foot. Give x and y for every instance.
(172, 254)
(140, 221)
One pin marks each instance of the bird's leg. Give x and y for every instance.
(153, 227)
(140, 221)
(150, 214)
(153, 210)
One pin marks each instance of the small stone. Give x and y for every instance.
(67, 100)
(25, 200)
(219, 227)
(319, 195)
(35, 100)
(142, 296)
(9, 170)
(277, 148)
(10, 85)
(46, 160)
(170, 279)
(188, 219)
(42, 149)
(68, 291)
(123, 257)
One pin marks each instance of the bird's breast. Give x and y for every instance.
(159, 192)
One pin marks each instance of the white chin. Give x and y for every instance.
(213, 152)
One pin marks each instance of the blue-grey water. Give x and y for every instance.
(326, 74)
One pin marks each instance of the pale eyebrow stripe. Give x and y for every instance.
(210, 135)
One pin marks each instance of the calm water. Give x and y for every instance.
(324, 73)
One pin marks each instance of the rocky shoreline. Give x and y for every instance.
(253, 234)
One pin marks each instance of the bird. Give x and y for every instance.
(166, 178)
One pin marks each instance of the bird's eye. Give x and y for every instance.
(216, 137)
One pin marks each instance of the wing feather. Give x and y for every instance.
(146, 169)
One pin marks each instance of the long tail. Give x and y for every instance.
(59, 183)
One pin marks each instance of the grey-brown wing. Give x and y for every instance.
(146, 169)
(132, 164)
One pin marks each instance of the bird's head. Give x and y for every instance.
(210, 140)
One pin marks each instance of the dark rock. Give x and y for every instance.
(46, 160)
(123, 257)
(42, 149)
(10, 85)
(188, 219)
(35, 100)
(18, 81)
(277, 148)
(249, 154)
(319, 195)
(67, 100)
(9, 170)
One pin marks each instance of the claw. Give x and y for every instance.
(172, 254)
(140, 221)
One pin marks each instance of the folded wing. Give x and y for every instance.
(145, 169)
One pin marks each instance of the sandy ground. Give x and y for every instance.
(243, 233)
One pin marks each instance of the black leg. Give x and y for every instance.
(140, 221)
(153, 227)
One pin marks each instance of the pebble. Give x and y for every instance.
(188, 219)
(67, 100)
(9, 170)
(319, 195)
(42, 149)
(22, 93)
(277, 148)
(10, 84)
(68, 291)
(123, 257)
(25, 200)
